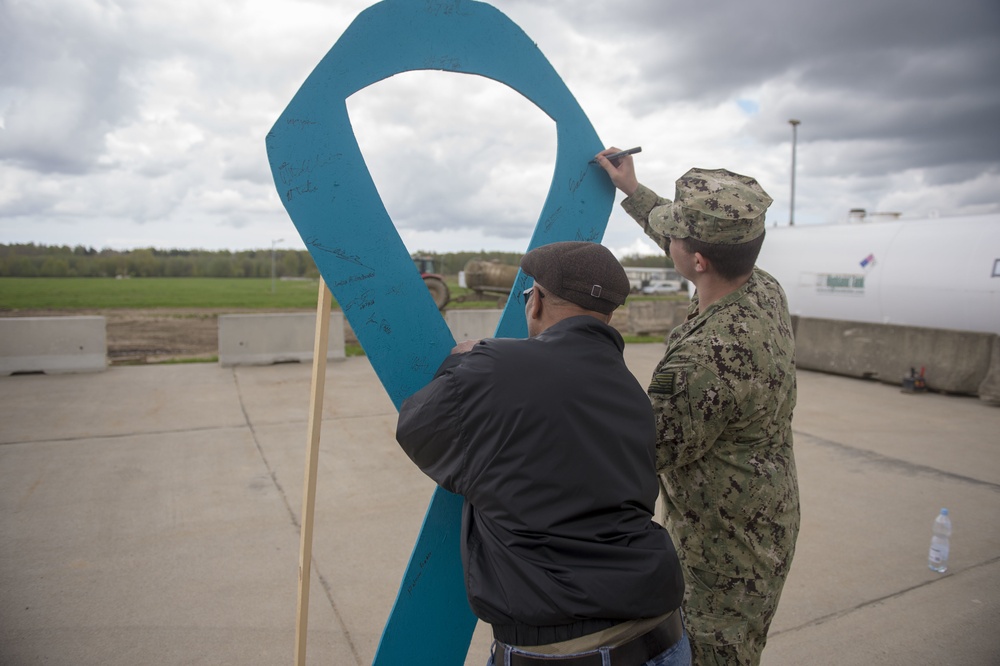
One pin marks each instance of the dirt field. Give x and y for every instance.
(149, 336)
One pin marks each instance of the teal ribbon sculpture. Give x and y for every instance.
(328, 191)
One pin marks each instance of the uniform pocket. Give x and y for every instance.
(719, 608)
(712, 629)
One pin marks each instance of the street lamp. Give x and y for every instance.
(273, 243)
(795, 125)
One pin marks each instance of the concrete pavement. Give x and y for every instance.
(150, 515)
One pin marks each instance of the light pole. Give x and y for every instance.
(273, 243)
(795, 126)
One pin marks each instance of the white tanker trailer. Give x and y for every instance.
(939, 273)
(888, 298)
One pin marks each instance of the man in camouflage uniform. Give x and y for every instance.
(723, 394)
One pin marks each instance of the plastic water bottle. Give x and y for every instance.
(937, 560)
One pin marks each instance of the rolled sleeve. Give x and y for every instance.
(639, 205)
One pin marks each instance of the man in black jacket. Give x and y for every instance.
(551, 442)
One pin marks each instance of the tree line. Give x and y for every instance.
(31, 260)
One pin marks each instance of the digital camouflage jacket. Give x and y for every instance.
(723, 395)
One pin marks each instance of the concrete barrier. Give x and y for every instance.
(954, 361)
(263, 339)
(472, 324)
(653, 317)
(463, 324)
(989, 390)
(476, 324)
(640, 318)
(53, 345)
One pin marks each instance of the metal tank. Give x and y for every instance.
(489, 276)
(936, 273)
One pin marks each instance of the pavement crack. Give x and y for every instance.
(260, 451)
(873, 602)
(897, 464)
(120, 435)
(327, 588)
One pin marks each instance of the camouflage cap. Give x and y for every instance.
(580, 272)
(713, 206)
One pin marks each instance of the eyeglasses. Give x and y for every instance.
(530, 290)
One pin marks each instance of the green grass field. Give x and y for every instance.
(102, 293)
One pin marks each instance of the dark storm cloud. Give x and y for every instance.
(707, 50)
(920, 72)
(901, 84)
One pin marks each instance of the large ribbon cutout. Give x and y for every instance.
(328, 191)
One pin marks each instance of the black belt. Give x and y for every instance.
(636, 652)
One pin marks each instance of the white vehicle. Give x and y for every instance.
(663, 287)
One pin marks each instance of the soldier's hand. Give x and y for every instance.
(621, 170)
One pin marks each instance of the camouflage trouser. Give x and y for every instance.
(726, 624)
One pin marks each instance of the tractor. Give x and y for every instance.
(435, 283)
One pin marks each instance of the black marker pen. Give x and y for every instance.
(614, 156)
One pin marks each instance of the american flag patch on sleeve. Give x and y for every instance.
(663, 383)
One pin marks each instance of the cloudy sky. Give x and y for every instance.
(141, 123)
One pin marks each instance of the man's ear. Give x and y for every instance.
(701, 264)
(535, 306)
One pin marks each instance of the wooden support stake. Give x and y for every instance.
(312, 459)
